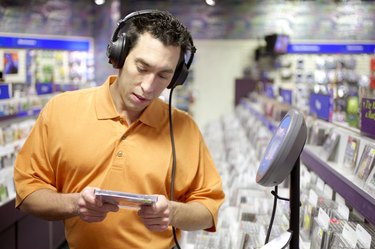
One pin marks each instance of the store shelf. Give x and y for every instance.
(23, 114)
(266, 122)
(355, 196)
(19, 230)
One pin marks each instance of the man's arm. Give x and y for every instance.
(190, 216)
(185, 216)
(50, 205)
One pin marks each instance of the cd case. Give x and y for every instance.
(125, 200)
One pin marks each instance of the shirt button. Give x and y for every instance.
(120, 153)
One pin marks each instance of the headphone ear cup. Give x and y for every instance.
(179, 76)
(116, 51)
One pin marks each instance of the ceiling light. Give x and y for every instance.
(210, 2)
(99, 2)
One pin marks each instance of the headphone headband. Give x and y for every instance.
(121, 23)
(118, 49)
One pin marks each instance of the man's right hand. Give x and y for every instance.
(91, 208)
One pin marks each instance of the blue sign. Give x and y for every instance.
(321, 106)
(36, 43)
(44, 88)
(331, 48)
(286, 96)
(4, 91)
(269, 91)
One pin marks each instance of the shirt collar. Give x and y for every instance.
(154, 115)
(105, 108)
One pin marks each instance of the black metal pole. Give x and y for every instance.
(294, 196)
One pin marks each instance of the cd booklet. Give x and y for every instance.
(125, 200)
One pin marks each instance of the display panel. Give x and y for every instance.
(283, 150)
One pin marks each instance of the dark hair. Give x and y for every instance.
(162, 26)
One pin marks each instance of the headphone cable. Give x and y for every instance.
(174, 159)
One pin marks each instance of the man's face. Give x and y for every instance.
(147, 71)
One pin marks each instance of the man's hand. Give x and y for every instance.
(92, 209)
(156, 217)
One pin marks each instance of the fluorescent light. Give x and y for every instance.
(210, 2)
(99, 2)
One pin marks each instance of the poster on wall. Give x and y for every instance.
(11, 62)
(13, 65)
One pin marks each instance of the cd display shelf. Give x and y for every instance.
(349, 189)
(17, 229)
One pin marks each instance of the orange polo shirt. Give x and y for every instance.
(79, 140)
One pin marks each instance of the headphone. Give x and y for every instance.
(118, 49)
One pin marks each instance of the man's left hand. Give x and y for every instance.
(156, 217)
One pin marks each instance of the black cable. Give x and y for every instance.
(173, 162)
(278, 197)
(272, 215)
(274, 193)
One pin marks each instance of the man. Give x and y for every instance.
(117, 137)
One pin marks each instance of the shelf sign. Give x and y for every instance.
(65, 87)
(368, 117)
(37, 43)
(43, 88)
(4, 91)
(321, 106)
(286, 95)
(331, 48)
(269, 91)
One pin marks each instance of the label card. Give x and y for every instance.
(343, 211)
(363, 236)
(349, 235)
(323, 219)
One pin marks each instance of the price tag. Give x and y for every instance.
(339, 199)
(363, 237)
(323, 219)
(349, 235)
(313, 198)
(320, 184)
(328, 191)
(343, 211)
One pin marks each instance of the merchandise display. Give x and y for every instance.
(366, 162)
(12, 137)
(245, 215)
(336, 81)
(329, 146)
(351, 152)
(30, 77)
